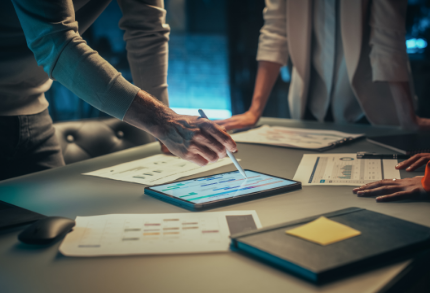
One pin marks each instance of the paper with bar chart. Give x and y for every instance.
(313, 139)
(129, 234)
(156, 169)
(343, 169)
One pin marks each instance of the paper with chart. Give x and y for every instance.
(343, 169)
(129, 234)
(157, 169)
(293, 137)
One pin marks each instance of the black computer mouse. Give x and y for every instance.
(46, 230)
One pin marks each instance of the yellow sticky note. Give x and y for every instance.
(324, 231)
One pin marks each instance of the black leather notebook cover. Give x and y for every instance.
(382, 237)
(11, 216)
(407, 144)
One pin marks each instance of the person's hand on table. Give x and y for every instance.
(247, 119)
(192, 138)
(414, 162)
(393, 189)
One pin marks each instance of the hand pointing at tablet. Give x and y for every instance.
(189, 137)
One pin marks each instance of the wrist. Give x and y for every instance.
(255, 111)
(149, 114)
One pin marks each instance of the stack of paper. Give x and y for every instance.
(343, 169)
(313, 139)
(156, 233)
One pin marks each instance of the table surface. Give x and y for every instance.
(65, 192)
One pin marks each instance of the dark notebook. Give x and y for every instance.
(11, 216)
(407, 144)
(382, 238)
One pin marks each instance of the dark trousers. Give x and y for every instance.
(28, 144)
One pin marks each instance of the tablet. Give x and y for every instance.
(221, 189)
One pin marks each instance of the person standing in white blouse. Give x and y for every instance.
(349, 62)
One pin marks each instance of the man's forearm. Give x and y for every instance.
(266, 77)
(147, 113)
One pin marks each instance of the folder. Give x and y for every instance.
(407, 144)
(382, 238)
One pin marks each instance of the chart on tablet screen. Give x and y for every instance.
(221, 186)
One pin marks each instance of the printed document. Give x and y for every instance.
(129, 234)
(313, 139)
(343, 169)
(156, 169)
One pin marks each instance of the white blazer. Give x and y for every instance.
(373, 35)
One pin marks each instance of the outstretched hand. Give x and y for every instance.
(414, 162)
(189, 137)
(244, 120)
(195, 139)
(393, 189)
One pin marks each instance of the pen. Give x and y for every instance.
(235, 162)
(364, 155)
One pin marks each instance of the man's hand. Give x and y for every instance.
(393, 189)
(195, 139)
(189, 137)
(246, 119)
(414, 162)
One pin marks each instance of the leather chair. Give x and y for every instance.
(89, 138)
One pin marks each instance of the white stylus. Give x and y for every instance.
(235, 162)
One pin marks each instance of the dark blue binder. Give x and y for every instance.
(382, 238)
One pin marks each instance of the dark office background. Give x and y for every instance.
(212, 52)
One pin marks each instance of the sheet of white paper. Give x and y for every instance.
(156, 169)
(292, 137)
(343, 169)
(129, 234)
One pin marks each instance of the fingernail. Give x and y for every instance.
(408, 168)
(357, 188)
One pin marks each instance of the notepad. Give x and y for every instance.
(324, 231)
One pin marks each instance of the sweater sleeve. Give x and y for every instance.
(272, 44)
(147, 35)
(52, 35)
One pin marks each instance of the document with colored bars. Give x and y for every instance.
(130, 234)
(343, 169)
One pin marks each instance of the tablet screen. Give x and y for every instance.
(221, 186)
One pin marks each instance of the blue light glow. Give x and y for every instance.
(212, 114)
(414, 46)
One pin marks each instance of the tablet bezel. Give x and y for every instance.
(221, 202)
